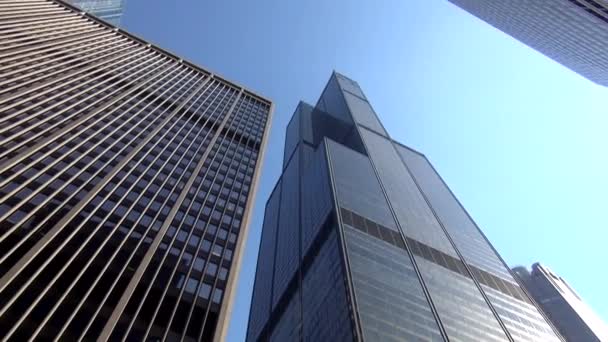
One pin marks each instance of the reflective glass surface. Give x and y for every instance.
(332, 101)
(412, 211)
(363, 113)
(261, 300)
(326, 315)
(316, 196)
(463, 311)
(357, 185)
(465, 234)
(390, 300)
(289, 324)
(522, 319)
(288, 236)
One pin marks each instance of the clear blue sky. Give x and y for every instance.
(520, 139)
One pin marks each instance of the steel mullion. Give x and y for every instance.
(75, 96)
(25, 218)
(32, 13)
(38, 5)
(48, 260)
(182, 250)
(30, 9)
(111, 65)
(107, 74)
(39, 19)
(198, 246)
(9, 178)
(102, 245)
(21, 186)
(92, 45)
(209, 133)
(139, 272)
(105, 60)
(20, 5)
(48, 79)
(51, 62)
(97, 100)
(22, 29)
(219, 266)
(38, 38)
(102, 59)
(99, 110)
(53, 47)
(202, 144)
(64, 130)
(69, 37)
(209, 82)
(22, 35)
(41, 56)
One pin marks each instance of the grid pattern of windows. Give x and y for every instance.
(124, 180)
(572, 32)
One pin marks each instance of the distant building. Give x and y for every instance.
(108, 10)
(572, 32)
(571, 316)
(362, 240)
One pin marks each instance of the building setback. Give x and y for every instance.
(571, 32)
(109, 10)
(126, 181)
(362, 240)
(570, 315)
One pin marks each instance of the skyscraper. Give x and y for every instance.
(126, 182)
(108, 10)
(572, 32)
(570, 315)
(362, 240)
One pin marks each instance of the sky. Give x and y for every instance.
(519, 138)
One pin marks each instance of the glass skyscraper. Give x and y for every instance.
(362, 240)
(571, 32)
(108, 10)
(127, 177)
(574, 319)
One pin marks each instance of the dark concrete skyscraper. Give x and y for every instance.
(126, 182)
(572, 32)
(571, 316)
(362, 240)
(108, 10)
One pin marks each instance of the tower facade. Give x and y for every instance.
(108, 10)
(362, 240)
(126, 181)
(574, 319)
(571, 32)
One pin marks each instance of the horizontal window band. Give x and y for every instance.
(431, 254)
